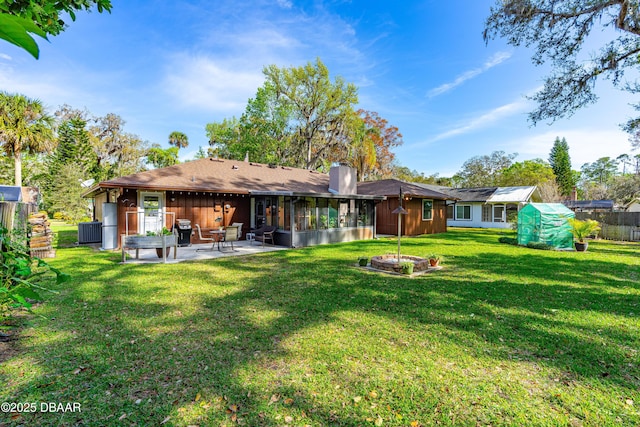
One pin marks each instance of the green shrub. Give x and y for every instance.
(21, 276)
(508, 240)
(540, 245)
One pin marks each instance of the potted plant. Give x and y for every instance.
(363, 261)
(434, 260)
(582, 229)
(164, 232)
(407, 267)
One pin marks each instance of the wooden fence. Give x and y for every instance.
(616, 225)
(15, 215)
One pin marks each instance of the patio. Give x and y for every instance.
(191, 253)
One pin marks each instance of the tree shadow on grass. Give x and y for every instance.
(136, 340)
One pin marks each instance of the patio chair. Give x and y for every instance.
(239, 225)
(265, 233)
(230, 236)
(208, 239)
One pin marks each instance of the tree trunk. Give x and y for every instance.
(17, 159)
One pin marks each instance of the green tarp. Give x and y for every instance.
(546, 223)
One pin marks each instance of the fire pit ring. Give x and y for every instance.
(390, 262)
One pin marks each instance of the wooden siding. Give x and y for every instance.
(412, 223)
(198, 207)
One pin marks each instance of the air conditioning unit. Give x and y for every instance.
(89, 232)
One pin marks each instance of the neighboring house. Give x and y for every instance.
(426, 208)
(16, 204)
(307, 207)
(488, 207)
(633, 206)
(590, 205)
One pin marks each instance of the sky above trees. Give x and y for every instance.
(421, 65)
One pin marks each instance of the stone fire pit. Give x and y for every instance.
(390, 262)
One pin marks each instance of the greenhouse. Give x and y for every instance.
(545, 223)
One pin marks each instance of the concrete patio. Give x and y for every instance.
(198, 252)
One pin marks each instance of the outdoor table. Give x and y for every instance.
(217, 235)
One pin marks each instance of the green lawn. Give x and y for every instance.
(501, 336)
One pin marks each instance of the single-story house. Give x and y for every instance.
(426, 208)
(307, 207)
(16, 204)
(488, 207)
(632, 206)
(590, 205)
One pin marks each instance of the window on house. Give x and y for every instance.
(463, 212)
(365, 213)
(427, 210)
(450, 212)
(284, 210)
(333, 213)
(305, 214)
(487, 213)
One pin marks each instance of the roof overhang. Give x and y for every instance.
(102, 188)
(321, 195)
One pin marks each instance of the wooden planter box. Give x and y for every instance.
(150, 242)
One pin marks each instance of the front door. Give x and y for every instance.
(150, 213)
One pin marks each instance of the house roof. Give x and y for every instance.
(494, 194)
(589, 204)
(478, 194)
(391, 188)
(224, 176)
(512, 194)
(10, 193)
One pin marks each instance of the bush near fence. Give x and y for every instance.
(623, 226)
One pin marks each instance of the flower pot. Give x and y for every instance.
(363, 262)
(407, 269)
(434, 262)
(581, 246)
(159, 251)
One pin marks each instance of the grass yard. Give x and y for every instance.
(501, 336)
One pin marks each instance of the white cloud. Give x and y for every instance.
(586, 145)
(5, 57)
(46, 87)
(483, 120)
(217, 86)
(286, 4)
(496, 59)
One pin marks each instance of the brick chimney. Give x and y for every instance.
(574, 193)
(342, 180)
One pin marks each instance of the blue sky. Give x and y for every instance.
(422, 65)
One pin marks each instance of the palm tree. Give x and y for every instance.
(24, 127)
(178, 139)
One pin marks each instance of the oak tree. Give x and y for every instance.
(557, 31)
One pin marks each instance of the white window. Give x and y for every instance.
(427, 210)
(487, 213)
(463, 212)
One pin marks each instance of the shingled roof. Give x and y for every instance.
(224, 176)
(391, 187)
